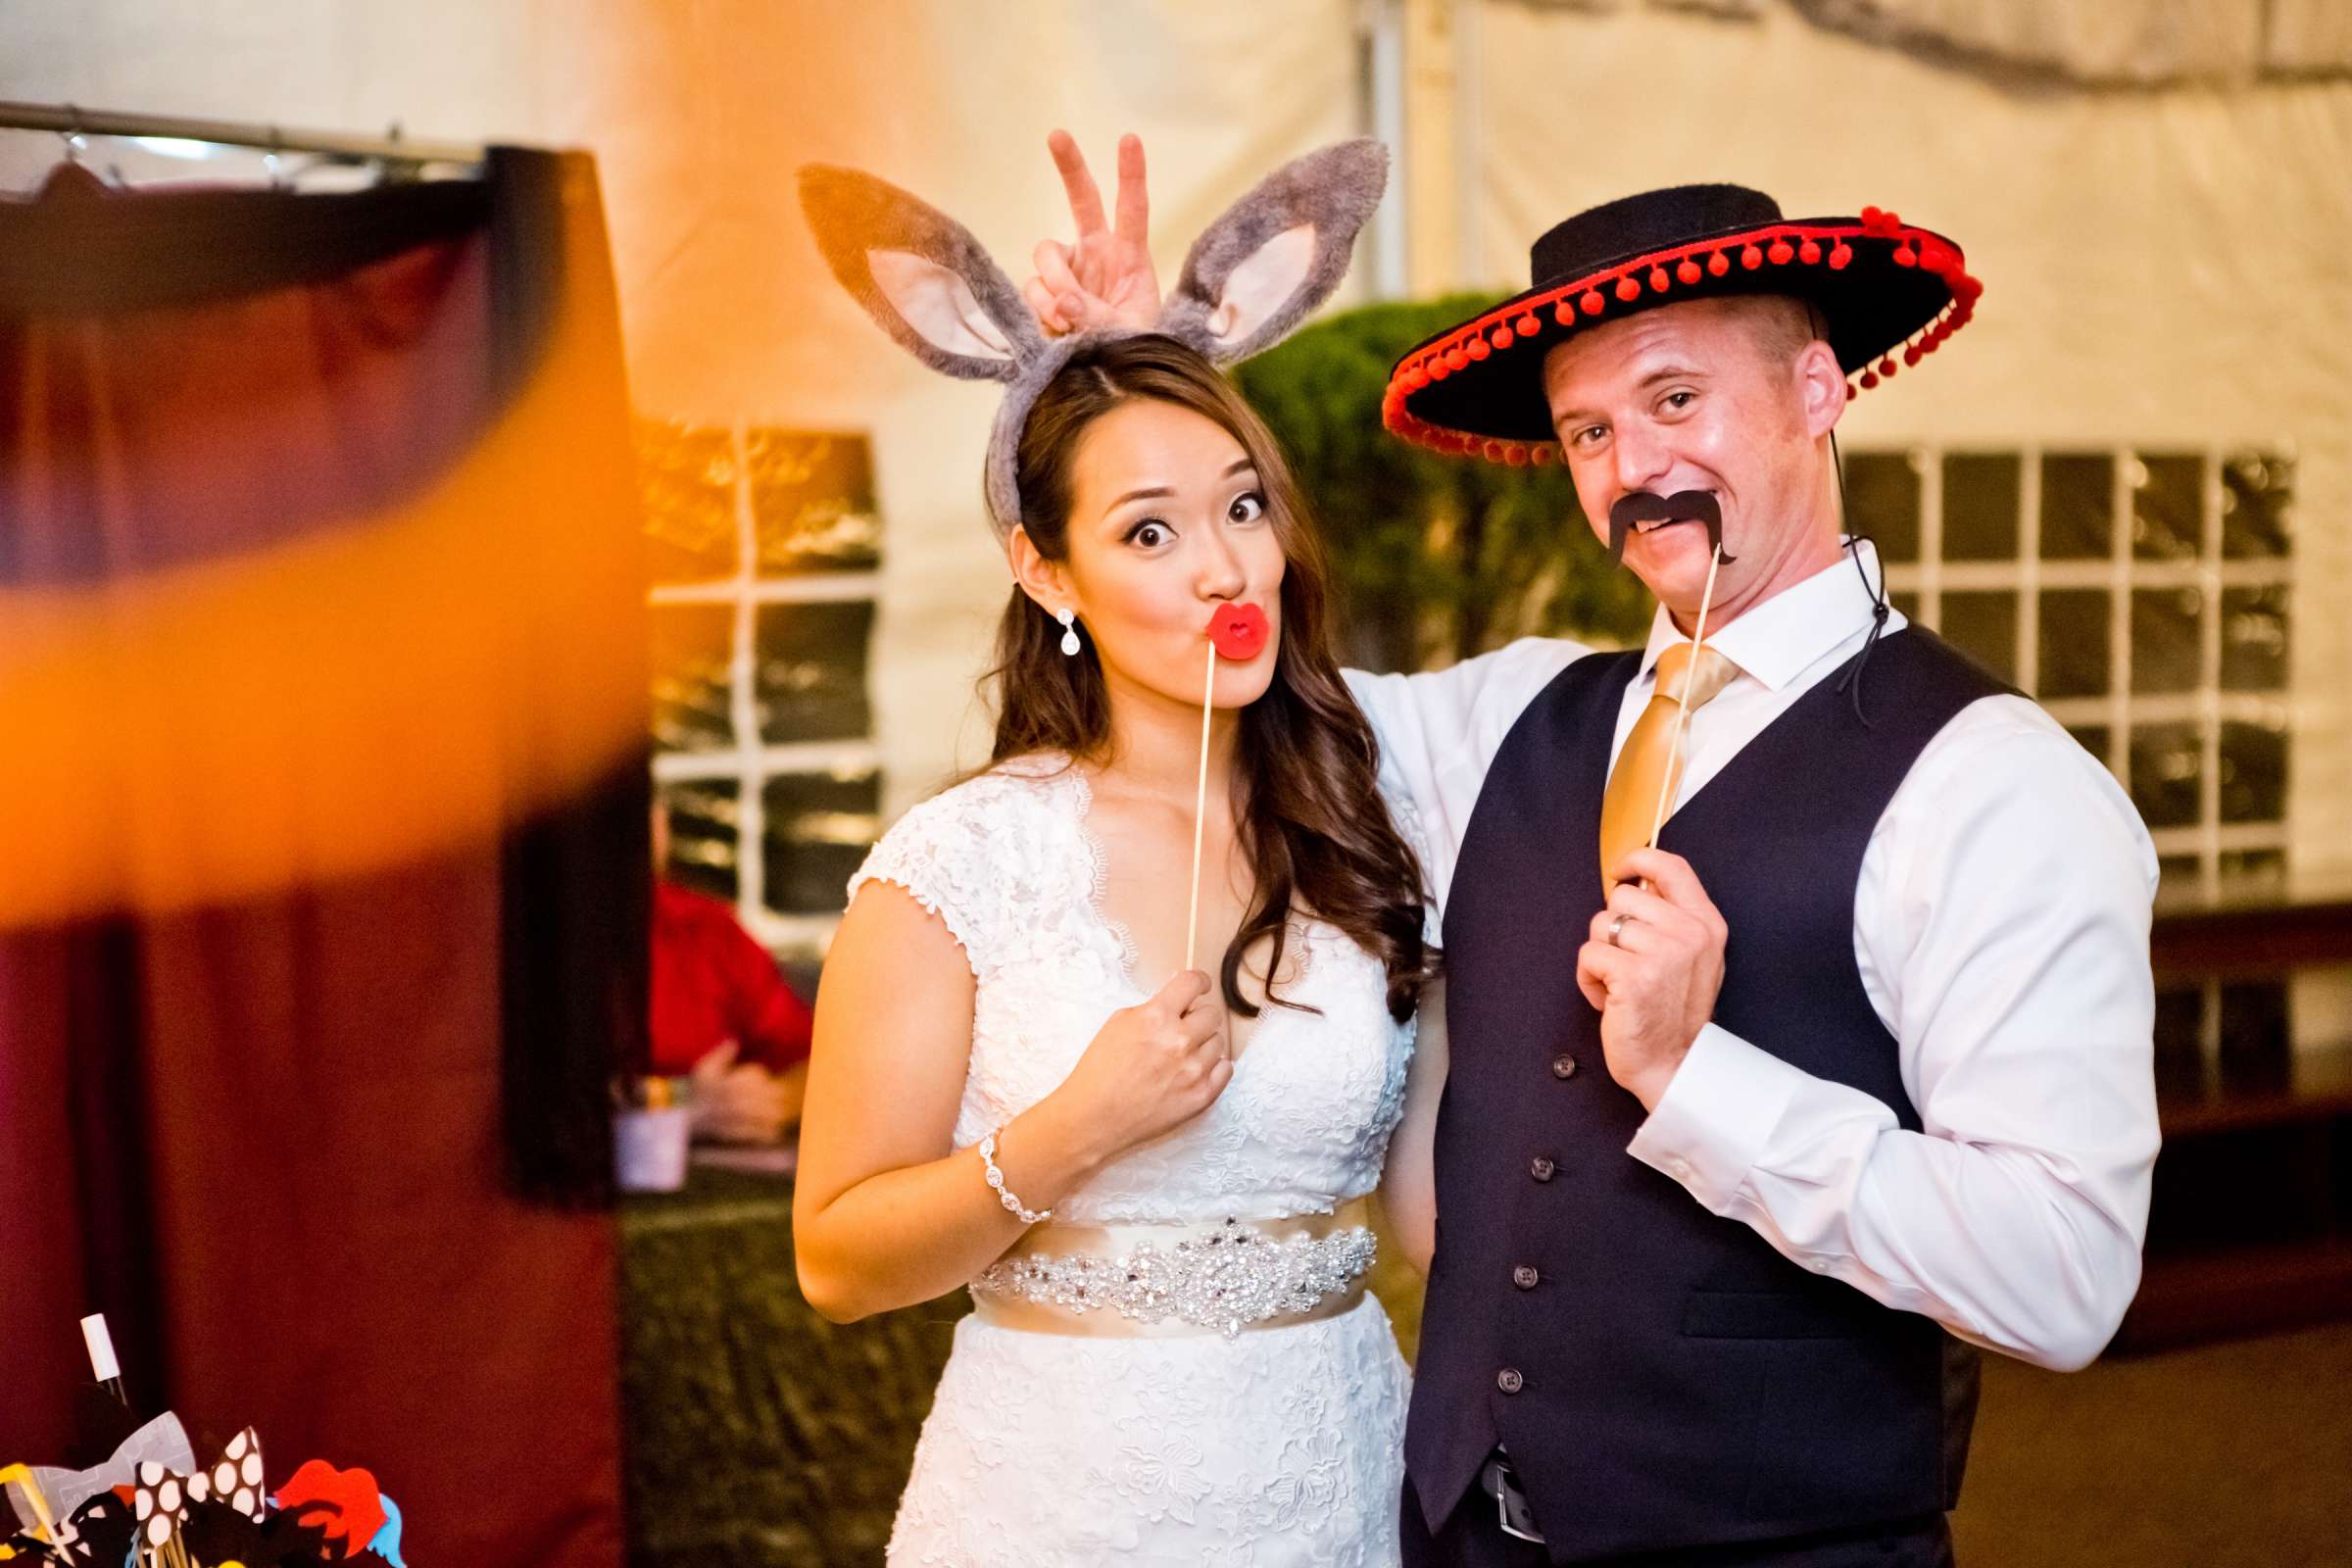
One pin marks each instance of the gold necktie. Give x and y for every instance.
(1630, 805)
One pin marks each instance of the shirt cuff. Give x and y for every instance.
(1718, 1110)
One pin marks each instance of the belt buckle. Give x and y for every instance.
(1515, 1518)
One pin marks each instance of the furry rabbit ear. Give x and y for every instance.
(1277, 254)
(920, 274)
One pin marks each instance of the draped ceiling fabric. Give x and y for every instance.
(2085, 43)
(2164, 269)
(323, 827)
(2112, 44)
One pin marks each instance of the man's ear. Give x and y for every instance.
(1821, 389)
(1045, 582)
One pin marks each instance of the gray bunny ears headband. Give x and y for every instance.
(1259, 271)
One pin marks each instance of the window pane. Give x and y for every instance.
(2179, 1019)
(1984, 626)
(704, 824)
(2253, 773)
(2167, 514)
(692, 652)
(2167, 766)
(2164, 639)
(2073, 644)
(1881, 499)
(2095, 739)
(2078, 506)
(2255, 1038)
(2254, 639)
(686, 477)
(2177, 874)
(1905, 601)
(811, 671)
(2260, 867)
(1979, 505)
(812, 503)
(2257, 492)
(820, 826)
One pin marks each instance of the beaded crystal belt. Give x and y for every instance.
(1140, 1281)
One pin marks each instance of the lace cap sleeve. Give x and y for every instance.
(950, 853)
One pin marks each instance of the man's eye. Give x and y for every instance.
(1677, 400)
(1247, 507)
(1588, 434)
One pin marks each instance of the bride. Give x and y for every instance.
(1152, 1178)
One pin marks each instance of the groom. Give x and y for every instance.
(1750, 1136)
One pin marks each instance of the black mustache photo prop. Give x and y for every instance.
(1643, 505)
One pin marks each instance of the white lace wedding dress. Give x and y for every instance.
(1277, 1446)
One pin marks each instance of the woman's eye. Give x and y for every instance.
(1247, 507)
(1149, 533)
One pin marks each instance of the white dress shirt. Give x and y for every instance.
(2001, 929)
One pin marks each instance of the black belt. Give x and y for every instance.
(1501, 1483)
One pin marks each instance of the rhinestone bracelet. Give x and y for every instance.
(995, 1181)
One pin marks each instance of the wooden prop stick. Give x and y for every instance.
(1682, 719)
(1208, 696)
(17, 1475)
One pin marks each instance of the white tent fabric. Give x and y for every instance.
(2161, 269)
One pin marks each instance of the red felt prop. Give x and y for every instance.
(344, 1503)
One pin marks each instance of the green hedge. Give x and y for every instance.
(1437, 558)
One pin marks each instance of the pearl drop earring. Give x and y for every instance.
(1070, 633)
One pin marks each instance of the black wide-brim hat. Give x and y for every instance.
(1890, 292)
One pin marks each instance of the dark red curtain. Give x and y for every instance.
(322, 814)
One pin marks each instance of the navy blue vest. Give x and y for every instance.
(1662, 1377)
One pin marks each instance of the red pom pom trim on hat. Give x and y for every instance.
(1782, 243)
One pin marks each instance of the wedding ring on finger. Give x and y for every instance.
(1617, 929)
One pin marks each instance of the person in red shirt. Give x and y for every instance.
(723, 1016)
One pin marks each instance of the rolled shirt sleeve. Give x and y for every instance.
(2002, 933)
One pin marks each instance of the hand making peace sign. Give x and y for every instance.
(1106, 279)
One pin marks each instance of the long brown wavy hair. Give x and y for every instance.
(1307, 808)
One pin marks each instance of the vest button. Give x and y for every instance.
(1525, 1276)
(1563, 1065)
(1510, 1381)
(1541, 1169)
